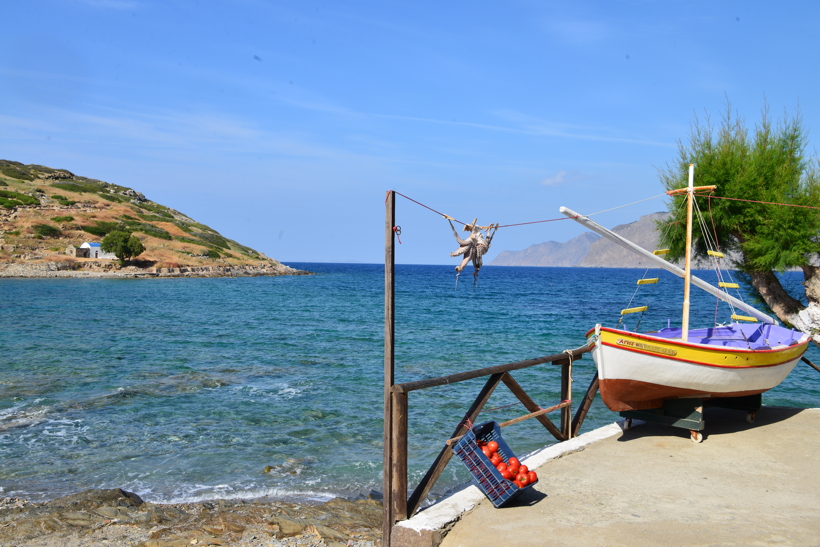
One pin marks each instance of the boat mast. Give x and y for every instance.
(687, 279)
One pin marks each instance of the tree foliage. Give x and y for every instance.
(123, 244)
(771, 166)
(768, 163)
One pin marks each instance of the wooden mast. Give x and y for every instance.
(687, 279)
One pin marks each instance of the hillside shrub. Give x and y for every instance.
(57, 196)
(190, 240)
(67, 218)
(127, 217)
(66, 202)
(213, 239)
(15, 170)
(157, 208)
(153, 218)
(183, 226)
(46, 230)
(148, 229)
(80, 185)
(112, 197)
(3, 183)
(203, 228)
(10, 200)
(213, 254)
(101, 229)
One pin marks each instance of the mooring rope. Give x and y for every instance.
(812, 365)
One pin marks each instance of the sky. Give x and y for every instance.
(283, 124)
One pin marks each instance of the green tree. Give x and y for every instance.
(123, 244)
(768, 164)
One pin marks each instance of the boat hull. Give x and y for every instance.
(639, 371)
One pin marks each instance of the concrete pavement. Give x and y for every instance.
(746, 484)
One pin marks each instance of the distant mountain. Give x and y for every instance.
(607, 254)
(549, 253)
(589, 250)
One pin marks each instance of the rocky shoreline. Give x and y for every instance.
(110, 269)
(118, 518)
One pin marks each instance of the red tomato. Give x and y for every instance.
(523, 469)
(522, 480)
(492, 445)
(532, 476)
(512, 467)
(495, 459)
(501, 466)
(507, 475)
(513, 461)
(487, 451)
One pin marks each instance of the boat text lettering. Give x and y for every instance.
(646, 347)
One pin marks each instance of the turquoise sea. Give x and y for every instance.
(187, 389)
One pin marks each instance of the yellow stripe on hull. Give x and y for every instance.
(702, 354)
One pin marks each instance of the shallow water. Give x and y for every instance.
(185, 389)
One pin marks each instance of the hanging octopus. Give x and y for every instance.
(474, 247)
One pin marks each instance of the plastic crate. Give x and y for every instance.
(499, 490)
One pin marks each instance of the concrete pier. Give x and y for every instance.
(745, 484)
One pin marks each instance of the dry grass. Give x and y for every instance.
(16, 229)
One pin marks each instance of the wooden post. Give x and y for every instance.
(389, 513)
(566, 395)
(583, 408)
(432, 475)
(399, 464)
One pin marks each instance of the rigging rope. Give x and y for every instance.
(767, 202)
(626, 205)
(525, 223)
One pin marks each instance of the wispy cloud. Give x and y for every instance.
(524, 125)
(561, 178)
(111, 4)
(579, 32)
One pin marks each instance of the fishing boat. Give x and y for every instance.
(640, 371)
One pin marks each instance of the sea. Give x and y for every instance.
(193, 389)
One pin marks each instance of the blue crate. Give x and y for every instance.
(499, 490)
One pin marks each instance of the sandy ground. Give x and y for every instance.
(744, 485)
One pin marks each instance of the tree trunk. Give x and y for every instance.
(787, 309)
(790, 311)
(775, 296)
(808, 319)
(812, 283)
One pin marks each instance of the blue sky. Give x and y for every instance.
(283, 124)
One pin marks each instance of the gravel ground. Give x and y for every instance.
(109, 518)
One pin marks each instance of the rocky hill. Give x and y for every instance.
(590, 250)
(46, 213)
(549, 253)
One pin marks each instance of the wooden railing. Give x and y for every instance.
(397, 504)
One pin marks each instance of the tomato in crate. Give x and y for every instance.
(486, 476)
